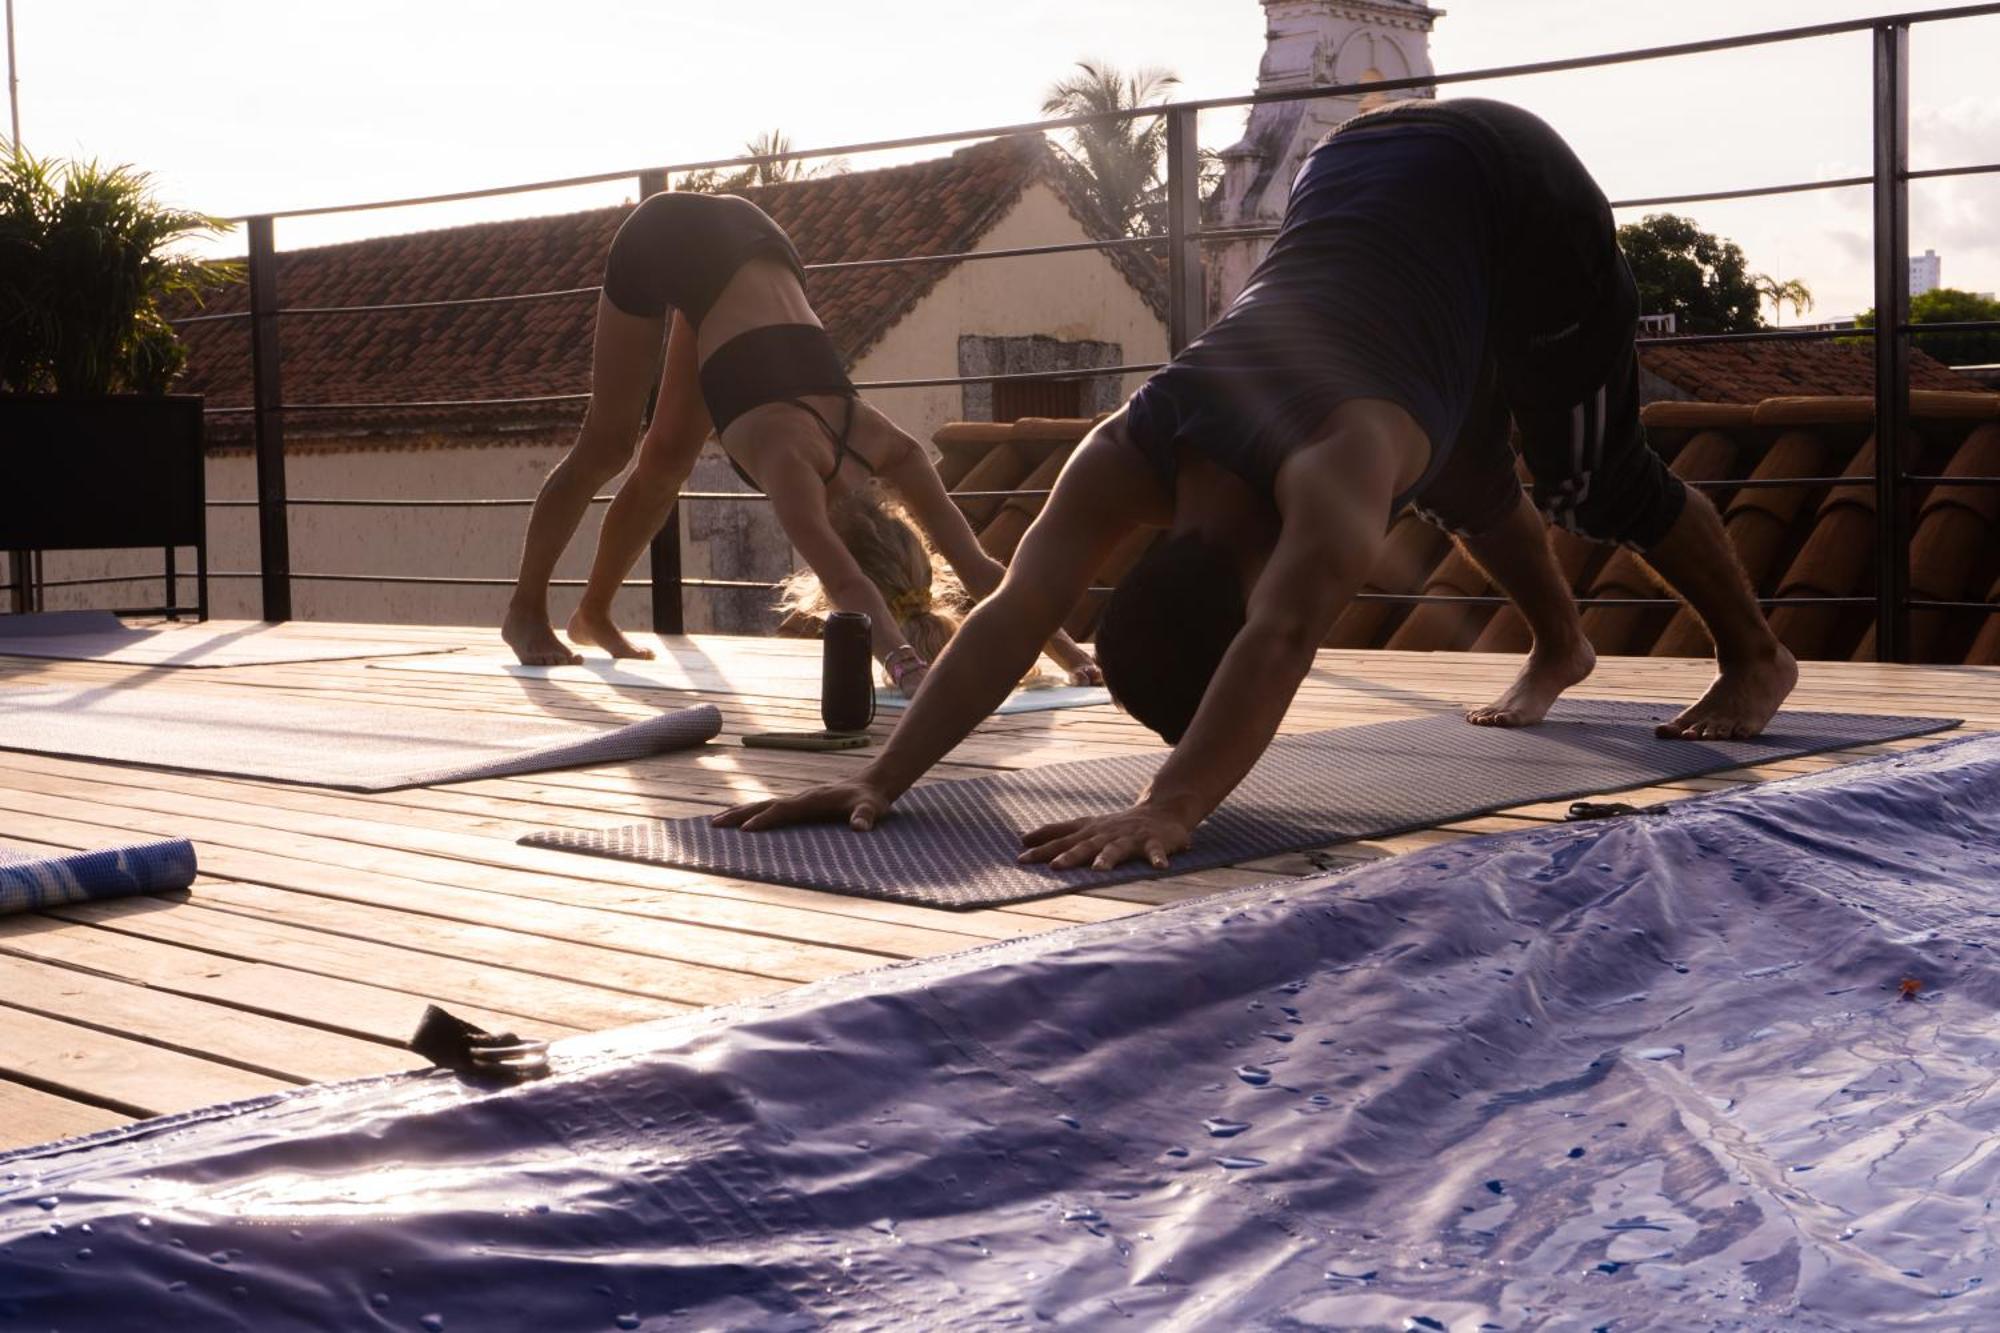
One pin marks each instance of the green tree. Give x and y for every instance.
(1120, 163)
(1692, 274)
(1948, 305)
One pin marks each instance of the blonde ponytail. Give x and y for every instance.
(923, 594)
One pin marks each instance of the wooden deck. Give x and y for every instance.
(323, 921)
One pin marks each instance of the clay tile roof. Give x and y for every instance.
(533, 348)
(1752, 372)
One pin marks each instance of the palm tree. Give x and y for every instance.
(768, 143)
(1119, 161)
(1790, 292)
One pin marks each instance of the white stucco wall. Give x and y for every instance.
(1070, 297)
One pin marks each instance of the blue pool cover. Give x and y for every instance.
(1725, 1066)
(32, 881)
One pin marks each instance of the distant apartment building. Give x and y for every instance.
(1925, 272)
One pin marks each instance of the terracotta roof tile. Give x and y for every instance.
(535, 348)
(1752, 372)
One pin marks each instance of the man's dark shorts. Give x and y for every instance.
(1455, 259)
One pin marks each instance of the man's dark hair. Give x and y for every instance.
(1165, 630)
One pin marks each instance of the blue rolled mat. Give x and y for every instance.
(33, 883)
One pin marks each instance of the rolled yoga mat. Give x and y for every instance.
(261, 733)
(715, 669)
(953, 844)
(99, 636)
(31, 882)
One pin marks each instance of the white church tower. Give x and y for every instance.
(1308, 43)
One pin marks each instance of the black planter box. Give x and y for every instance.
(103, 473)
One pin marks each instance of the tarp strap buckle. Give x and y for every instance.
(450, 1042)
(1600, 810)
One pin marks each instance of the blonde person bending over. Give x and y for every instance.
(747, 358)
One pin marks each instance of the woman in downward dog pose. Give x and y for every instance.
(745, 357)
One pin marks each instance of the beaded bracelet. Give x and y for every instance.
(903, 662)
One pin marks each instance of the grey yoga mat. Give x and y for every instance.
(261, 733)
(952, 844)
(99, 636)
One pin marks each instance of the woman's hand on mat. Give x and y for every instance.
(1086, 673)
(1104, 842)
(856, 802)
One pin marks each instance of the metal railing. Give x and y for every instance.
(1183, 242)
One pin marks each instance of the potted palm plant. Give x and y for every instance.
(94, 452)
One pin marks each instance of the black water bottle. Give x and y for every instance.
(847, 673)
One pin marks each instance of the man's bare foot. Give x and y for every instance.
(534, 642)
(1541, 682)
(595, 627)
(1740, 701)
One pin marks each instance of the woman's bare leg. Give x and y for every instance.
(624, 352)
(666, 456)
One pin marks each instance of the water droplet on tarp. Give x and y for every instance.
(1254, 1075)
(380, 1300)
(1070, 1120)
(1421, 1321)
(1495, 1187)
(1224, 1129)
(432, 1323)
(48, 1204)
(1658, 1053)
(1176, 1152)
(1334, 1275)
(627, 1321)
(1082, 1215)
(1574, 1153)
(1238, 1163)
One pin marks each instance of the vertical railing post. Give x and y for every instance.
(1186, 306)
(664, 552)
(1893, 438)
(274, 548)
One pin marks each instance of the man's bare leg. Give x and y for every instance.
(1754, 672)
(623, 357)
(1515, 553)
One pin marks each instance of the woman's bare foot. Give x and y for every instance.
(528, 633)
(589, 626)
(1739, 703)
(1541, 682)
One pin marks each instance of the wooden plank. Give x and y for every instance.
(335, 1004)
(128, 1076)
(445, 981)
(29, 1116)
(270, 1046)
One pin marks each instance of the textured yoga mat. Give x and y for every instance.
(717, 669)
(952, 844)
(30, 882)
(360, 747)
(99, 636)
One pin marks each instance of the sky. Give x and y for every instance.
(240, 106)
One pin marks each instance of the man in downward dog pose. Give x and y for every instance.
(720, 283)
(1442, 267)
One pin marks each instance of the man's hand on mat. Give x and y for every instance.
(1104, 842)
(856, 802)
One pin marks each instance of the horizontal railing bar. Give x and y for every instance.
(1953, 326)
(1919, 479)
(1457, 599)
(1932, 173)
(1754, 192)
(1758, 336)
(1608, 59)
(210, 318)
(1010, 252)
(1079, 373)
(155, 577)
(441, 304)
(1933, 604)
